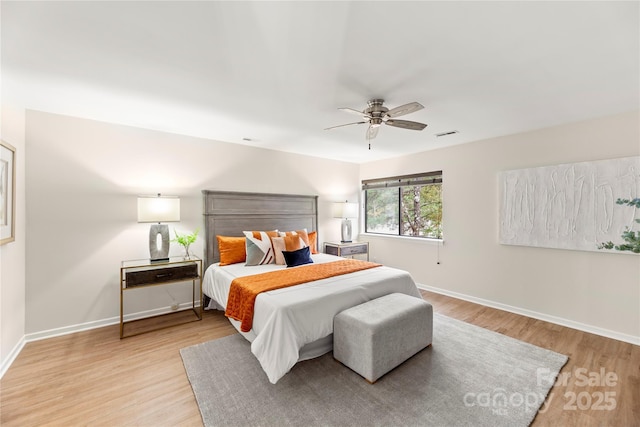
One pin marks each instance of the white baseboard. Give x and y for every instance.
(4, 367)
(51, 333)
(535, 315)
(104, 322)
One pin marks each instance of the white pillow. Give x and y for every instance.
(259, 247)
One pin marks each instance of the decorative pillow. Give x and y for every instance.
(299, 257)
(313, 241)
(259, 248)
(278, 247)
(258, 234)
(302, 235)
(231, 249)
(286, 243)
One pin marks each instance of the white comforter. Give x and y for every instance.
(286, 320)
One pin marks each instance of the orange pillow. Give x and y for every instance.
(256, 234)
(292, 243)
(302, 234)
(231, 249)
(313, 241)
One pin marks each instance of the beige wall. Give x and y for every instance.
(76, 216)
(83, 177)
(590, 290)
(12, 255)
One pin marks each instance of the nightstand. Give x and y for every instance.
(347, 249)
(136, 274)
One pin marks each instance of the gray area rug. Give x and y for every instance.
(470, 376)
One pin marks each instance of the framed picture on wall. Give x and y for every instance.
(7, 193)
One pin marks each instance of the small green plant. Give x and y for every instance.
(186, 239)
(632, 238)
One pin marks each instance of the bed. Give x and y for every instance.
(293, 323)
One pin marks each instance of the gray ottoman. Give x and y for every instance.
(375, 337)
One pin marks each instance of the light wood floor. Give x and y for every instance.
(94, 378)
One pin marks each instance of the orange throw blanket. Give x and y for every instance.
(244, 290)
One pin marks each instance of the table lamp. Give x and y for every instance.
(346, 211)
(158, 209)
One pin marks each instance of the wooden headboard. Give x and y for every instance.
(230, 213)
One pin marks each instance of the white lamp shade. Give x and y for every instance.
(158, 209)
(345, 210)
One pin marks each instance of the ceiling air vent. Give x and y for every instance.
(446, 133)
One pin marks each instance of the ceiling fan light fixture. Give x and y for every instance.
(376, 114)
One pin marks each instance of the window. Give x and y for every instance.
(409, 205)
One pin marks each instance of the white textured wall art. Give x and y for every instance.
(570, 206)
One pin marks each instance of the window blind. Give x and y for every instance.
(403, 181)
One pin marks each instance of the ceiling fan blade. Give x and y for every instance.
(346, 124)
(372, 132)
(404, 109)
(406, 124)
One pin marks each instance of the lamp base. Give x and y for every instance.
(346, 230)
(159, 248)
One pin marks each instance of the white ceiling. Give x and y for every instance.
(276, 72)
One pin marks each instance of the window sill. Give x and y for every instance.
(425, 240)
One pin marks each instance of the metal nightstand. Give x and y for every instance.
(136, 274)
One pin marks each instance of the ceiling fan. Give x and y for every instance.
(376, 114)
